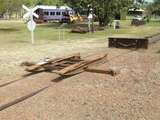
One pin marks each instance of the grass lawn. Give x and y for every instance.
(16, 32)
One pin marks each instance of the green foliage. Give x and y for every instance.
(105, 10)
(11, 6)
(49, 2)
(2, 6)
(154, 8)
(14, 6)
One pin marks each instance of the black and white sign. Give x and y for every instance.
(31, 25)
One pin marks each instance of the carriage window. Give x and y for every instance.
(52, 13)
(46, 13)
(58, 13)
(63, 13)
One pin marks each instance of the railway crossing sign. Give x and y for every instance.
(31, 25)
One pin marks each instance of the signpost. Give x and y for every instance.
(90, 18)
(31, 25)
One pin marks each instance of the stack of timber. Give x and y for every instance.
(69, 65)
(79, 30)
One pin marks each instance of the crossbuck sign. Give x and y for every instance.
(31, 24)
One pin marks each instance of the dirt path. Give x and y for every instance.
(16, 54)
(133, 94)
(25, 86)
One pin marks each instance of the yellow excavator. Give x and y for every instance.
(76, 18)
(69, 18)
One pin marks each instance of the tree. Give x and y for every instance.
(9, 7)
(2, 7)
(105, 10)
(49, 2)
(154, 8)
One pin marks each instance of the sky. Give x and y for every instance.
(149, 0)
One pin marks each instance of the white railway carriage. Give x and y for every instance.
(54, 13)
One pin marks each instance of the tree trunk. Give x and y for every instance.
(103, 21)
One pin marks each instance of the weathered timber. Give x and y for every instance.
(109, 71)
(60, 65)
(79, 30)
(26, 63)
(68, 65)
(51, 61)
(80, 65)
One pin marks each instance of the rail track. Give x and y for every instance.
(44, 85)
(20, 99)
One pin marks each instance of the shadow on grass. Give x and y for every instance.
(8, 29)
(154, 23)
(49, 25)
(20, 41)
(67, 26)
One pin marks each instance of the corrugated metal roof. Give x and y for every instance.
(53, 7)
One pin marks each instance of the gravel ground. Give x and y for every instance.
(131, 95)
(13, 55)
